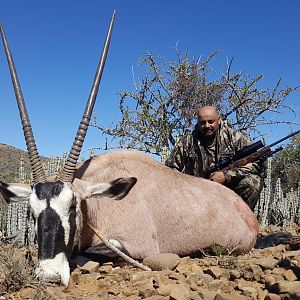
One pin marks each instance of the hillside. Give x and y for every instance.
(10, 158)
(10, 162)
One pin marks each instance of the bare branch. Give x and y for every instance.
(164, 103)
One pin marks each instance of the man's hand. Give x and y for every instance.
(218, 177)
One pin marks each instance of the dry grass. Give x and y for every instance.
(17, 276)
(16, 268)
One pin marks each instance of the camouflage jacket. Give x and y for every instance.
(192, 156)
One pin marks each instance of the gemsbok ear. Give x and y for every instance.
(116, 189)
(120, 188)
(15, 191)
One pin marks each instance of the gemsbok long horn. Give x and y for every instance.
(35, 161)
(68, 171)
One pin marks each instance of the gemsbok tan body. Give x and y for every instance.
(137, 203)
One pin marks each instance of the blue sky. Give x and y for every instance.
(56, 46)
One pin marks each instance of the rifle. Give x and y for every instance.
(249, 154)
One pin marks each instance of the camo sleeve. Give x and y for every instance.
(178, 156)
(232, 177)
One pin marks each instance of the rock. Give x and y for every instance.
(146, 289)
(140, 276)
(262, 293)
(165, 290)
(161, 279)
(207, 295)
(174, 276)
(266, 262)
(75, 277)
(230, 297)
(194, 295)
(164, 261)
(289, 275)
(272, 297)
(234, 274)
(278, 271)
(90, 267)
(249, 291)
(247, 288)
(268, 280)
(291, 254)
(256, 270)
(180, 292)
(227, 287)
(196, 269)
(127, 292)
(214, 271)
(206, 278)
(291, 287)
(55, 294)
(105, 269)
(156, 297)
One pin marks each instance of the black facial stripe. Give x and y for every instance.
(51, 234)
(48, 190)
(73, 225)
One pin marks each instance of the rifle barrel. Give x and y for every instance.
(285, 138)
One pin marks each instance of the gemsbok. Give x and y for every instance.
(141, 206)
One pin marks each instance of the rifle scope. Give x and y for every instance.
(248, 150)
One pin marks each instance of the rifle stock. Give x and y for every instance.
(250, 158)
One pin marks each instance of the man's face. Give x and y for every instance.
(208, 123)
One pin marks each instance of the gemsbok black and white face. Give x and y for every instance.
(57, 214)
(55, 205)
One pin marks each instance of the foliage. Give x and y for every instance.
(17, 273)
(218, 250)
(163, 105)
(286, 164)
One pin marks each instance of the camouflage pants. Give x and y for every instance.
(249, 189)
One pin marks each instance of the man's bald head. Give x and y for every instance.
(208, 121)
(208, 111)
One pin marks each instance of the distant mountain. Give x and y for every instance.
(10, 158)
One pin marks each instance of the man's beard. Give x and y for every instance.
(208, 133)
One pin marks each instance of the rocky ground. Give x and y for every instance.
(270, 273)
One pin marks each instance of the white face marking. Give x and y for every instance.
(51, 269)
(37, 205)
